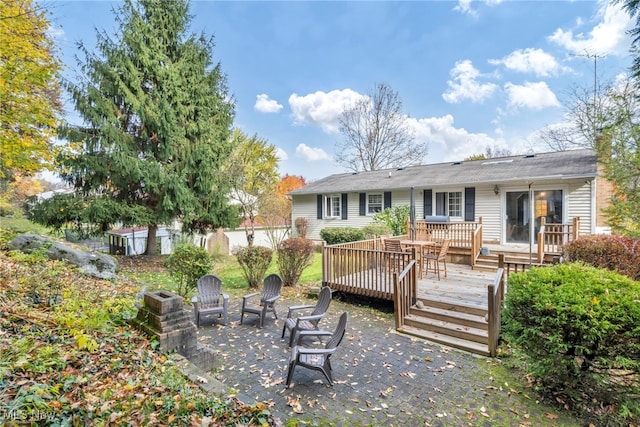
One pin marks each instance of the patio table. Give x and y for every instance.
(420, 245)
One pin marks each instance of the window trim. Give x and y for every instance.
(447, 203)
(328, 206)
(368, 204)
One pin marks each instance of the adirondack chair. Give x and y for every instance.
(296, 322)
(210, 299)
(270, 294)
(433, 260)
(318, 359)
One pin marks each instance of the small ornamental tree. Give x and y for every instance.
(395, 218)
(254, 261)
(302, 226)
(187, 264)
(294, 255)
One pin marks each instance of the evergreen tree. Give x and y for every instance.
(157, 118)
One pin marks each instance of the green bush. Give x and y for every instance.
(395, 218)
(187, 264)
(254, 261)
(375, 229)
(336, 235)
(579, 329)
(616, 253)
(294, 255)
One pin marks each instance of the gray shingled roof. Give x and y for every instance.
(522, 168)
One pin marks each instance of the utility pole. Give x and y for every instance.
(595, 57)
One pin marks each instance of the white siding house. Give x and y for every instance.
(507, 193)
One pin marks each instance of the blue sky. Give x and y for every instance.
(471, 74)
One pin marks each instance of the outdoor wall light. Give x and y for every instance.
(496, 190)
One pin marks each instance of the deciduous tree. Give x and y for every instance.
(252, 170)
(377, 134)
(157, 117)
(29, 88)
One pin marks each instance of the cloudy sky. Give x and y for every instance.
(471, 74)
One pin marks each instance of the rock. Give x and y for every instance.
(93, 264)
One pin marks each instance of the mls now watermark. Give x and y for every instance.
(28, 416)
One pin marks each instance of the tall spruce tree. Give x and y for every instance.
(157, 118)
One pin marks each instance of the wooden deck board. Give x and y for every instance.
(461, 284)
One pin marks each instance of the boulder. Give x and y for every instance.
(93, 264)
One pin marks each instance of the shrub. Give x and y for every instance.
(616, 253)
(395, 218)
(254, 261)
(335, 235)
(579, 328)
(186, 264)
(294, 255)
(375, 229)
(302, 226)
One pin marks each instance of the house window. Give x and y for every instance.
(374, 203)
(332, 208)
(449, 203)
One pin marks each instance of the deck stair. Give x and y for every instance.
(489, 262)
(451, 322)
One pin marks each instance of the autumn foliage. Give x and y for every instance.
(29, 88)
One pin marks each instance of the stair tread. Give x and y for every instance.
(448, 325)
(443, 299)
(471, 346)
(449, 313)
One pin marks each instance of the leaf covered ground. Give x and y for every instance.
(69, 357)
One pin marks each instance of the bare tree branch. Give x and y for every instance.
(377, 134)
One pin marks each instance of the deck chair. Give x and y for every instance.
(270, 294)
(295, 322)
(318, 359)
(434, 259)
(394, 259)
(210, 299)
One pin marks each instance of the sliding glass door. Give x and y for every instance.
(521, 207)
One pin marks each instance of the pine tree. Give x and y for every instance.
(157, 118)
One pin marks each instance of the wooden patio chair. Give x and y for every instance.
(295, 322)
(210, 299)
(434, 259)
(394, 259)
(318, 359)
(270, 294)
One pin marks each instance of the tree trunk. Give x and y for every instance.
(151, 240)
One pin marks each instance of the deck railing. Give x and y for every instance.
(495, 293)
(476, 243)
(461, 234)
(405, 288)
(361, 268)
(552, 237)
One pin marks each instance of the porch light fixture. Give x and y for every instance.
(496, 190)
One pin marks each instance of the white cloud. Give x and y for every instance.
(530, 60)
(456, 143)
(281, 154)
(535, 96)
(322, 108)
(464, 85)
(311, 154)
(266, 105)
(609, 37)
(464, 6)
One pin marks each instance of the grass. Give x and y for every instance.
(228, 269)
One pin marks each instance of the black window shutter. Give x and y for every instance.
(344, 206)
(469, 203)
(427, 203)
(441, 207)
(319, 199)
(363, 204)
(387, 199)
